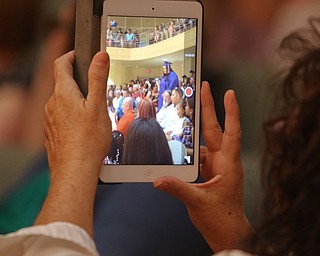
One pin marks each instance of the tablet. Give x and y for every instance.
(153, 90)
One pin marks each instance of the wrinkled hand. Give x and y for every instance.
(78, 129)
(77, 138)
(216, 206)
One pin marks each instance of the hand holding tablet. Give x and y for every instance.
(153, 90)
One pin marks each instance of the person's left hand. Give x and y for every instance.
(215, 206)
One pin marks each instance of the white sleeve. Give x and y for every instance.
(58, 238)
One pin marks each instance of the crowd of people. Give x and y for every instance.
(139, 100)
(116, 37)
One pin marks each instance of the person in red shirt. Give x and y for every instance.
(128, 116)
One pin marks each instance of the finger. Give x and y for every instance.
(211, 129)
(232, 134)
(183, 191)
(98, 77)
(63, 72)
(203, 153)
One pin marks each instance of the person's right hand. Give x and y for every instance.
(78, 129)
(77, 138)
(216, 206)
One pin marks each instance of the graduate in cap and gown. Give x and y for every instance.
(168, 81)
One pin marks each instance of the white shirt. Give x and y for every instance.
(170, 118)
(162, 113)
(177, 129)
(58, 238)
(115, 102)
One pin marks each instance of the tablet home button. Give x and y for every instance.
(148, 174)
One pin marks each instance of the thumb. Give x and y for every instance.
(97, 78)
(183, 191)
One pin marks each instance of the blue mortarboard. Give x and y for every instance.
(167, 64)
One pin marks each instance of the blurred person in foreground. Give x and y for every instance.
(216, 206)
(34, 33)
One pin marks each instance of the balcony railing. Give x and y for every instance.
(144, 37)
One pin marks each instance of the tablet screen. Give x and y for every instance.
(151, 90)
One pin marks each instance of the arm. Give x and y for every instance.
(174, 81)
(75, 152)
(216, 206)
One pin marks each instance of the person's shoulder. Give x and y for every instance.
(171, 107)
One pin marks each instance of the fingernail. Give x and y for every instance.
(102, 58)
(161, 185)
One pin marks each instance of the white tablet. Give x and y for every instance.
(153, 91)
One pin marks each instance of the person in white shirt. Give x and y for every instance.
(116, 99)
(167, 104)
(171, 120)
(177, 129)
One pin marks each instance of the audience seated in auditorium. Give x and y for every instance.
(128, 115)
(176, 131)
(146, 109)
(170, 120)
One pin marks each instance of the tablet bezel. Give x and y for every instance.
(171, 9)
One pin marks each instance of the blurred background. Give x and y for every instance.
(33, 34)
(241, 38)
(239, 52)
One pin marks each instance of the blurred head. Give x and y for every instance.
(18, 25)
(292, 167)
(33, 34)
(176, 95)
(190, 107)
(166, 67)
(125, 93)
(154, 87)
(127, 105)
(111, 93)
(181, 109)
(146, 143)
(118, 93)
(166, 95)
(146, 109)
(135, 88)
